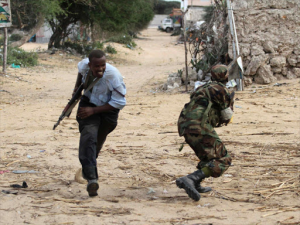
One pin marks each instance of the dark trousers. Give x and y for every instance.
(93, 132)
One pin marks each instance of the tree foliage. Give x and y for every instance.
(26, 13)
(163, 7)
(116, 16)
(121, 15)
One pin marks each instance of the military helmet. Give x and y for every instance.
(219, 72)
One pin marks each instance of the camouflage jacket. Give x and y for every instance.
(202, 113)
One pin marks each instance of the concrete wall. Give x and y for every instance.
(187, 3)
(44, 34)
(194, 14)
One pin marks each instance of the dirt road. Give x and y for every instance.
(140, 161)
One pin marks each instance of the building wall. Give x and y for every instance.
(194, 14)
(199, 2)
(188, 3)
(195, 10)
(44, 34)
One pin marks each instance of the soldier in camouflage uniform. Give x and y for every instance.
(210, 106)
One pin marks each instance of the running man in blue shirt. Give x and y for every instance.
(98, 111)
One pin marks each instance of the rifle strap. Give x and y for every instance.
(87, 78)
(89, 75)
(119, 93)
(92, 84)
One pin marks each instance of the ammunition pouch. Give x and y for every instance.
(211, 116)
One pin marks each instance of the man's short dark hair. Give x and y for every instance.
(96, 54)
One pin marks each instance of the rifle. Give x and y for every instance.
(69, 107)
(74, 100)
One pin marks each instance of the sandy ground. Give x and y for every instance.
(140, 160)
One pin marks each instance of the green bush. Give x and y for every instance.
(83, 48)
(201, 65)
(76, 46)
(14, 37)
(133, 44)
(20, 57)
(98, 45)
(179, 72)
(122, 39)
(110, 49)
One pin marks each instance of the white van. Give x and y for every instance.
(168, 25)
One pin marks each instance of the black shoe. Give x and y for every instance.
(201, 189)
(190, 183)
(92, 188)
(189, 186)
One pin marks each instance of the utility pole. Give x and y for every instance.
(5, 50)
(185, 51)
(235, 46)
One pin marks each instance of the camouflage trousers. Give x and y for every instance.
(211, 152)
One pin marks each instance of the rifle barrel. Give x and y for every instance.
(71, 104)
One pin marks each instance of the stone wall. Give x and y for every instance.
(269, 39)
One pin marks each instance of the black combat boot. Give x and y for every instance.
(91, 175)
(201, 189)
(207, 173)
(190, 182)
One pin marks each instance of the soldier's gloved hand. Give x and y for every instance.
(226, 115)
(226, 122)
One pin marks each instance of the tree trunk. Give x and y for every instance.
(33, 31)
(55, 38)
(21, 25)
(58, 33)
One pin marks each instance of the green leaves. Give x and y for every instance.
(25, 12)
(164, 7)
(114, 16)
(18, 56)
(122, 15)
